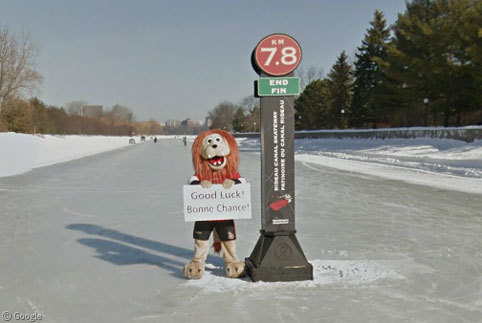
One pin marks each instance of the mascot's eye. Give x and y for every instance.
(209, 141)
(218, 139)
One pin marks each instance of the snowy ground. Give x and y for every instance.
(102, 239)
(21, 153)
(443, 163)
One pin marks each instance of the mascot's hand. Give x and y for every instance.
(228, 183)
(206, 184)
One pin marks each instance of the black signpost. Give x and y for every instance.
(277, 255)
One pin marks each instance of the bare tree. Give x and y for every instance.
(18, 55)
(250, 107)
(122, 112)
(74, 108)
(249, 102)
(222, 116)
(308, 75)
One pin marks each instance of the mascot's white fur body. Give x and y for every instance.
(215, 159)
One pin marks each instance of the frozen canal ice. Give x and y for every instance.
(102, 239)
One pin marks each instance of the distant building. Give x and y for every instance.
(173, 123)
(208, 122)
(191, 123)
(92, 111)
(198, 123)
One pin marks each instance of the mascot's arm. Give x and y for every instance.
(237, 179)
(193, 180)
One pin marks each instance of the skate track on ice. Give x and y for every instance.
(102, 239)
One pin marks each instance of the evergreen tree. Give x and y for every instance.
(460, 27)
(312, 106)
(340, 81)
(432, 70)
(367, 72)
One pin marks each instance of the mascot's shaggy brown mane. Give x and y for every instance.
(201, 166)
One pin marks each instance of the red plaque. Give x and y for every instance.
(277, 54)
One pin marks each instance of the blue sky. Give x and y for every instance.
(177, 59)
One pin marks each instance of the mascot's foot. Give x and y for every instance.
(194, 270)
(235, 269)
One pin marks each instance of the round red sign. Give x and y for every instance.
(277, 54)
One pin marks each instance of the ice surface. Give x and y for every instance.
(325, 272)
(102, 239)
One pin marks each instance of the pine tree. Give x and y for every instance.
(432, 72)
(312, 106)
(460, 27)
(367, 72)
(340, 81)
(408, 79)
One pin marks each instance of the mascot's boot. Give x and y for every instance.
(234, 267)
(195, 269)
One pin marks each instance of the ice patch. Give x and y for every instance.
(325, 272)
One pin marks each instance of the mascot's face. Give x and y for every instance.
(215, 155)
(215, 148)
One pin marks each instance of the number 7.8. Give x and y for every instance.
(288, 55)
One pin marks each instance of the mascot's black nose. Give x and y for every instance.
(215, 146)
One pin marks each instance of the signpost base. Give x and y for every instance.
(278, 257)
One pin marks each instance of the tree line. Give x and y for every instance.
(35, 117)
(19, 79)
(241, 117)
(424, 70)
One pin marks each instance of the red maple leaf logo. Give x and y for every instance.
(281, 203)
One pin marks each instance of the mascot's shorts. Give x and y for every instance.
(225, 230)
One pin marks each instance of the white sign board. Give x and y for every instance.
(217, 202)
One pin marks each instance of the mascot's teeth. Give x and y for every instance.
(217, 161)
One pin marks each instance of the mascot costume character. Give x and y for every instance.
(215, 158)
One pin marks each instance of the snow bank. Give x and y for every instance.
(467, 134)
(442, 163)
(20, 153)
(325, 272)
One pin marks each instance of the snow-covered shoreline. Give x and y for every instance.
(441, 163)
(445, 164)
(21, 153)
